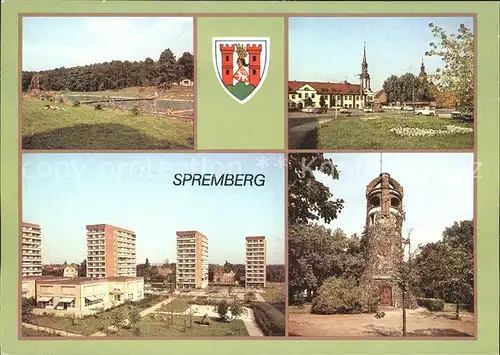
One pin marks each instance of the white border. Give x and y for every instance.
(264, 73)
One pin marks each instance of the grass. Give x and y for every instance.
(272, 295)
(28, 332)
(179, 304)
(305, 309)
(356, 133)
(155, 327)
(84, 127)
(91, 324)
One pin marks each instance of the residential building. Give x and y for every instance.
(186, 82)
(70, 271)
(85, 295)
(223, 278)
(303, 94)
(111, 252)
(255, 262)
(192, 260)
(31, 257)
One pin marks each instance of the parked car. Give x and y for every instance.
(408, 108)
(368, 109)
(344, 110)
(466, 113)
(426, 111)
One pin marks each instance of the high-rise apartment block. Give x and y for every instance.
(31, 260)
(192, 260)
(255, 262)
(110, 251)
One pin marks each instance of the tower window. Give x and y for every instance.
(375, 202)
(227, 58)
(254, 58)
(395, 202)
(254, 72)
(227, 72)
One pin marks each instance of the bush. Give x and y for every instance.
(432, 304)
(98, 107)
(76, 103)
(135, 110)
(269, 319)
(221, 308)
(343, 296)
(299, 299)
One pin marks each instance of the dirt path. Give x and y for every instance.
(420, 322)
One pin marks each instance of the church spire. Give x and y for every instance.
(422, 69)
(364, 52)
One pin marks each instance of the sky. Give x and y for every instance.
(331, 49)
(65, 192)
(438, 189)
(54, 42)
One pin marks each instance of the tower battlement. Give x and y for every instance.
(227, 47)
(254, 47)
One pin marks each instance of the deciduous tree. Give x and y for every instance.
(457, 52)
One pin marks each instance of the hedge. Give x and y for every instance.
(432, 304)
(269, 319)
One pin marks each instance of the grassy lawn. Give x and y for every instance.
(137, 92)
(274, 295)
(28, 332)
(179, 304)
(305, 309)
(151, 327)
(84, 127)
(362, 133)
(91, 324)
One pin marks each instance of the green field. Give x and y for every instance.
(374, 132)
(179, 305)
(84, 127)
(151, 327)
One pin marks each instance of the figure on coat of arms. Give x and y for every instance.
(241, 74)
(241, 65)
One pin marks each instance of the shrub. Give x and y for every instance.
(343, 296)
(269, 319)
(432, 304)
(76, 103)
(135, 110)
(299, 299)
(221, 308)
(98, 107)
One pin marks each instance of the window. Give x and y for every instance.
(357, 105)
(394, 202)
(313, 95)
(227, 72)
(357, 97)
(350, 97)
(227, 58)
(300, 96)
(254, 72)
(293, 96)
(130, 296)
(254, 58)
(307, 95)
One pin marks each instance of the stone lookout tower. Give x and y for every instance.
(384, 250)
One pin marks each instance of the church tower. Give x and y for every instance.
(365, 77)
(383, 240)
(422, 75)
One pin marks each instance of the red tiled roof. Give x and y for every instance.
(325, 88)
(378, 94)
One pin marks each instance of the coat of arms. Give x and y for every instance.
(241, 65)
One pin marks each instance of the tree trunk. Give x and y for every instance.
(457, 311)
(404, 313)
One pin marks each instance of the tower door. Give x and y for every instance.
(385, 296)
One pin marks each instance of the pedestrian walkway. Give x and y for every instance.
(252, 327)
(50, 330)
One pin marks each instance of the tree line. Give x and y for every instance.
(116, 75)
(451, 86)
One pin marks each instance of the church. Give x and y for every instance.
(303, 94)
